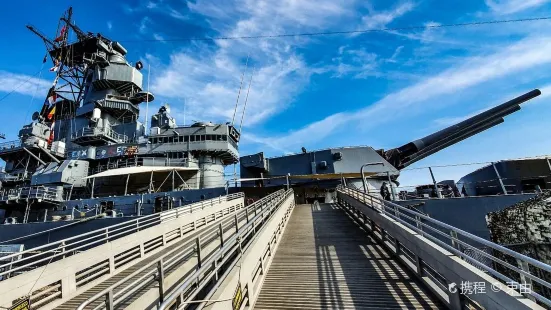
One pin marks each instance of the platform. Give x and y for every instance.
(325, 261)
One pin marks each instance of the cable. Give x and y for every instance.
(31, 290)
(34, 93)
(310, 34)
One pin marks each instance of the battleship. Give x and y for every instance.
(100, 209)
(364, 167)
(86, 152)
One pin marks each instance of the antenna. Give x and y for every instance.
(147, 97)
(246, 99)
(240, 86)
(185, 103)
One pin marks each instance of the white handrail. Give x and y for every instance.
(51, 250)
(398, 213)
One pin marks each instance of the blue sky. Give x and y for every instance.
(379, 89)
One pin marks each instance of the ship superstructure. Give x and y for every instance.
(315, 172)
(87, 151)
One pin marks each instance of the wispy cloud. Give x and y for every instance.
(109, 25)
(151, 5)
(144, 25)
(474, 71)
(397, 52)
(22, 84)
(158, 37)
(381, 19)
(448, 121)
(545, 96)
(177, 14)
(513, 6)
(357, 63)
(209, 75)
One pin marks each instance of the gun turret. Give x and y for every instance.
(414, 151)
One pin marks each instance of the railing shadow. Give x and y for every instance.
(354, 271)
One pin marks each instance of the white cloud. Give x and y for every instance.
(144, 25)
(158, 37)
(513, 6)
(208, 75)
(176, 14)
(212, 80)
(545, 96)
(397, 52)
(151, 5)
(523, 55)
(448, 121)
(22, 84)
(109, 25)
(381, 19)
(356, 63)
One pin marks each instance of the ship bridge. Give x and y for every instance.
(356, 251)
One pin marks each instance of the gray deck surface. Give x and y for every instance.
(325, 261)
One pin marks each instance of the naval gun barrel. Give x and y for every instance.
(414, 151)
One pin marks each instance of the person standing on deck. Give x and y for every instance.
(385, 193)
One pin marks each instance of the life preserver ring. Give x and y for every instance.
(250, 201)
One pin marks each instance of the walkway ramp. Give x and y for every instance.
(326, 261)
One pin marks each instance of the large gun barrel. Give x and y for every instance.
(414, 151)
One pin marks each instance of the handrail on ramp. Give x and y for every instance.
(499, 262)
(41, 255)
(156, 271)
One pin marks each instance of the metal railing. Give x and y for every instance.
(465, 245)
(99, 131)
(144, 161)
(42, 255)
(181, 295)
(10, 145)
(254, 216)
(33, 192)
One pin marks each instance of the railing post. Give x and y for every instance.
(109, 300)
(63, 248)
(106, 235)
(419, 265)
(418, 223)
(523, 279)
(287, 177)
(261, 266)
(161, 279)
(221, 232)
(391, 187)
(198, 249)
(236, 224)
(247, 214)
(455, 244)
(215, 265)
(455, 298)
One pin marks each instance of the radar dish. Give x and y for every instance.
(35, 116)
